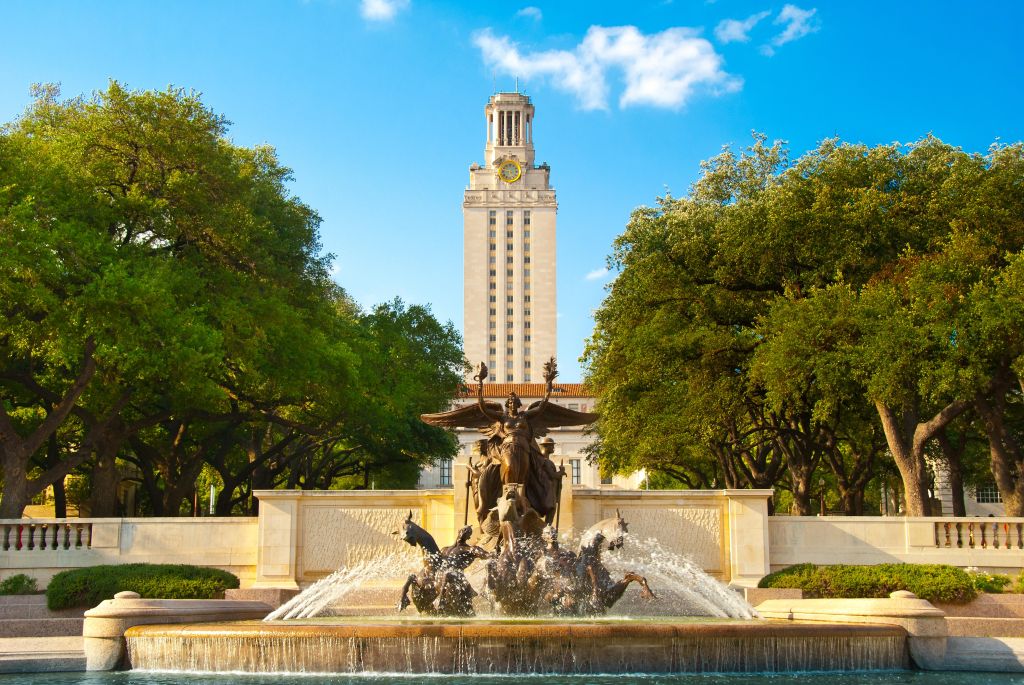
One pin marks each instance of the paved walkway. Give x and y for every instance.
(41, 654)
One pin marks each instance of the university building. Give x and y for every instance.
(509, 213)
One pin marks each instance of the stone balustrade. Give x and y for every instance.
(26, 535)
(302, 536)
(980, 533)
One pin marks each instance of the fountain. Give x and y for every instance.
(510, 596)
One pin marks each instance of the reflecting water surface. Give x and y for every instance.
(141, 678)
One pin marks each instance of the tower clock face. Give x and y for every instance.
(510, 171)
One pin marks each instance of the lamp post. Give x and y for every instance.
(821, 484)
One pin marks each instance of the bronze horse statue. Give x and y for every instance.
(441, 587)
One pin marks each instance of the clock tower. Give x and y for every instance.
(508, 214)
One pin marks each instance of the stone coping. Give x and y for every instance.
(191, 608)
(539, 630)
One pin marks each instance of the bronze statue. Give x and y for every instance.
(513, 455)
(515, 491)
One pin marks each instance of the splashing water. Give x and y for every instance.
(319, 596)
(681, 586)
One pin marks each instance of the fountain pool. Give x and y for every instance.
(877, 678)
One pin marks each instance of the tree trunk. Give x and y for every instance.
(16, 494)
(1005, 452)
(105, 479)
(16, 451)
(907, 438)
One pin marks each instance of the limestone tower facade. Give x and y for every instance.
(508, 214)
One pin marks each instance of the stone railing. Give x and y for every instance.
(45, 534)
(980, 533)
(994, 544)
(43, 547)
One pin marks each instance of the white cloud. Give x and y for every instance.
(738, 31)
(597, 274)
(798, 24)
(659, 69)
(381, 10)
(531, 13)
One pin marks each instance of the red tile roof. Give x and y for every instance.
(528, 390)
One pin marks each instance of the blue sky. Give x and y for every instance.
(377, 105)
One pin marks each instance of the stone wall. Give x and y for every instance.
(989, 543)
(43, 547)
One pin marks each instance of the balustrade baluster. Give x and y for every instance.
(958, 528)
(78, 535)
(946, 526)
(995, 536)
(7, 538)
(970, 535)
(88, 535)
(982, 528)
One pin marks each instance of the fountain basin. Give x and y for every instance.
(515, 646)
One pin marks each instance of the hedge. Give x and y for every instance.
(934, 582)
(87, 587)
(19, 584)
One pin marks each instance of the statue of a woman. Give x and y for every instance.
(513, 455)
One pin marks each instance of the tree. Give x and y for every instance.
(787, 298)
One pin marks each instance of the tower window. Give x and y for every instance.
(526, 272)
(526, 218)
(526, 338)
(492, 246)
(511, 311)
(527, 362)
(526, 324)
(526, 378)
(526, 312)
(510, 338)
(509, 351)
(493, 311)
(525, 298)
(494, 272)
(508, 298)
(508, 234)
(446, 472)
(508, 260)
(493, 338)
(509, 246)
(508, 273)
(526, 233)
(526, 259)
(491, 233)
(493, 286)
(508, 365)
(492, 325)
(494, 351)
(508, 324)
(492, 259)
(508, 378)
(494, 298)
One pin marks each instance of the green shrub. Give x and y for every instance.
(992, 583)
(934, 582)
(87, 587)
(19, 584)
